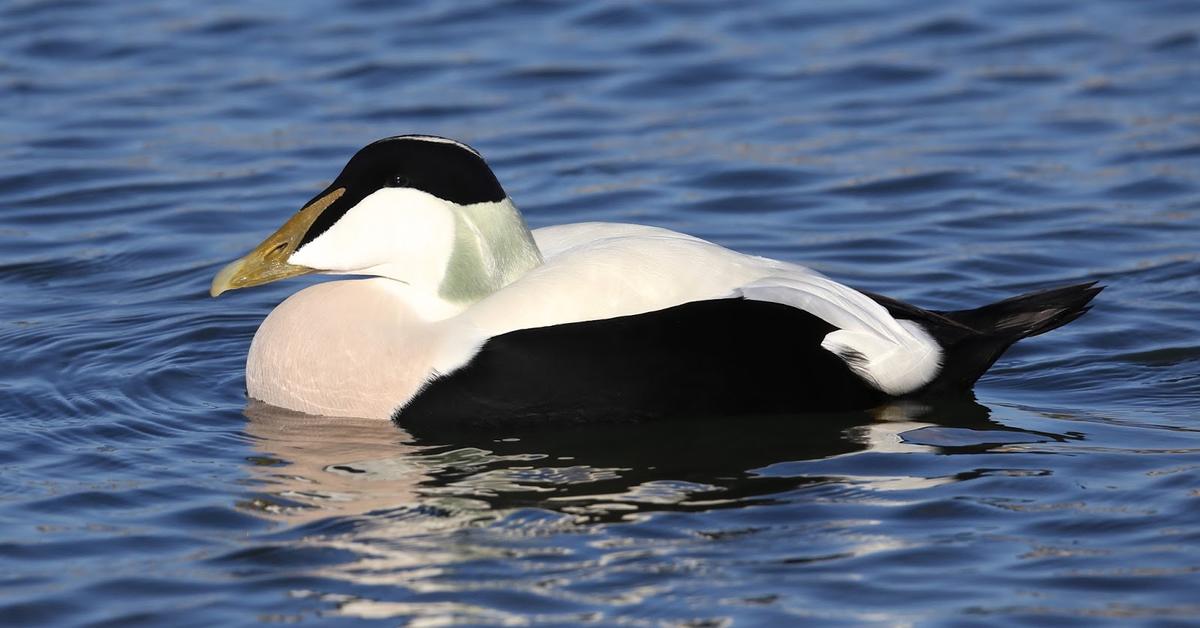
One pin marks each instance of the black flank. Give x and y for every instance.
(726, 357)
(708, 358)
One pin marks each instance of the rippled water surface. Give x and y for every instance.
(945, 153)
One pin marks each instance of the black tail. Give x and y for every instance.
(972, 340)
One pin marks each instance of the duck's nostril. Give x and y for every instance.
(278, 248)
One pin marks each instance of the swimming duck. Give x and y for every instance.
(466, 315)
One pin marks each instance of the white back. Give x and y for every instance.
(603, 270)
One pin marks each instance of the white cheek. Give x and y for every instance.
(400, 233)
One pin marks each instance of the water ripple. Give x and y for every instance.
(948, 154)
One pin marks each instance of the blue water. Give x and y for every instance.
(946, 153)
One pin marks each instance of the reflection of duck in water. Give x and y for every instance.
(470, 316)
(384, 514)
(341, 467)
(315, 468)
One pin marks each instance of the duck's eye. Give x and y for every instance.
(399, 181)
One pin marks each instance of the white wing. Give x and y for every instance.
(594, 271)
(894, 356)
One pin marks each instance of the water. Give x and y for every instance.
(945, 153)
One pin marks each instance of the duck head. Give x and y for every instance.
(425, 211)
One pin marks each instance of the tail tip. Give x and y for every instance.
(1040, 312)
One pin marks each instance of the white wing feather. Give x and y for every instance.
(594, 271)
(894, 356)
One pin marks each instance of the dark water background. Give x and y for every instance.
(946, 153)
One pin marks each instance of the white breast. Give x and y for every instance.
(344, 348)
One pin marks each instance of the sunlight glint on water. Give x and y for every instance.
(949, 154)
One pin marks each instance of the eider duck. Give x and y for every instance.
(468, 316)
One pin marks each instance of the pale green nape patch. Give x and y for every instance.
(492, 248)
(466, 278)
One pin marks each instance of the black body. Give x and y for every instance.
(727, 357)
(708, 358)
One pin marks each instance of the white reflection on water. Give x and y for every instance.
(414, 508)
(320, 467)
(330, 466)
